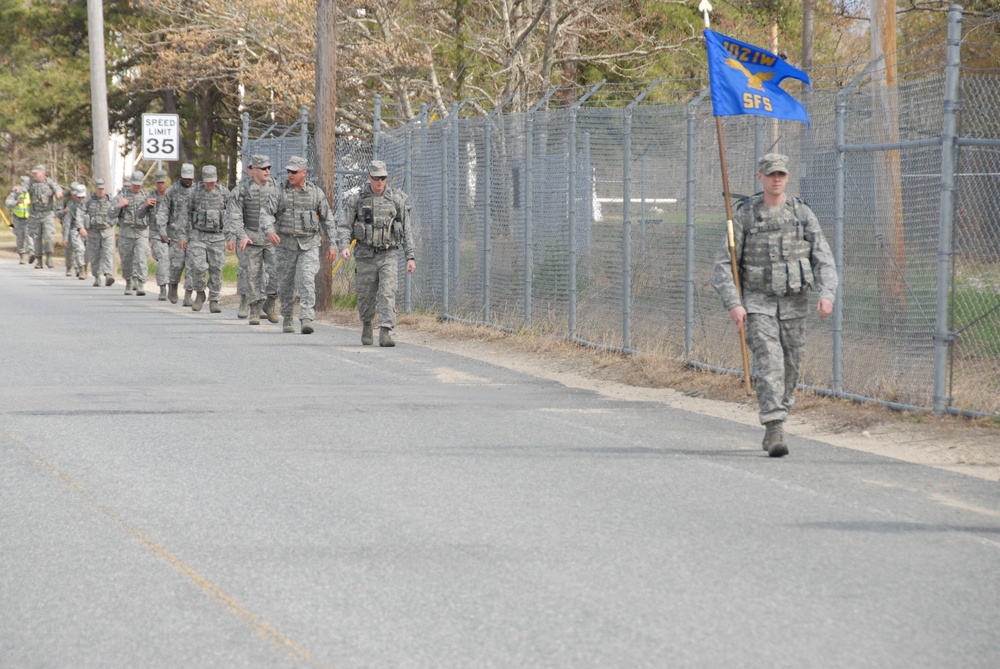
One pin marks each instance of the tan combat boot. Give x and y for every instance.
(366, 333)
(244, 309)
(774, 439)
(385, 337)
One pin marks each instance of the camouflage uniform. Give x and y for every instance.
(72, 222)
(257, 277)
(781, 253)
(381, 225)
(299, 216)
(19, 217)
(206, 238)
(98, 219)
(159, 249)
(42, 223)
(171, 219)
(133, 235)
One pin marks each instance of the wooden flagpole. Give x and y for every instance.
(705, 7)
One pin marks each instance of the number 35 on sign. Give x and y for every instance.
(161, 136)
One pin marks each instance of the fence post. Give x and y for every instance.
(529, 195)
(445, 180)
(408, 188)
(689, 214)
(943, 338)
(487, 214)
(456, 228)
(840, 138)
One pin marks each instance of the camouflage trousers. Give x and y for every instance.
(22, 240)
(178, 263)
(74, 249)
(376, 277)
(777, 347)
(205, 260)
(134, 252)
(42, 228)
(297, 269)
(101, 251)
(161, 254)
(257, 275)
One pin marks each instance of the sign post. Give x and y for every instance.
(161, 136)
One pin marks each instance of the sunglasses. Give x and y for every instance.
(377, 178)
(294, 171)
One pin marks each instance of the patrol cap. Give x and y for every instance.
(38, 168)
(137, 178)
(772, 162)
(187, 171)
(161, 175)
(209, 174)
(296, 163)
(260, 160)
(377, 169)
(80, 191)
(99, 183)
(25, 181)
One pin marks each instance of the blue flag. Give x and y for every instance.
(744, 80)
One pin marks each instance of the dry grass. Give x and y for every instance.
(658, 371)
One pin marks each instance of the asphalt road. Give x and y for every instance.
(181, 489)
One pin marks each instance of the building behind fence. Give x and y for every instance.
(599, 224)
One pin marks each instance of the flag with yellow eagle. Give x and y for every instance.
(744, 80)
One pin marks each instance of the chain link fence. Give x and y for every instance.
(599, 222)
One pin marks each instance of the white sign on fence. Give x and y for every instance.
(161, 136)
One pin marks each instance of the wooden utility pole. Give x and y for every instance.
(325, 114)
(807, 39)
(888, 181)
(98, 90)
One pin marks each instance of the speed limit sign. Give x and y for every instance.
(161, 136)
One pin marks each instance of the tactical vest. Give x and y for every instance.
(299, 218)
(209, 209)
(377, 229)
(23, 207)
(98, 212)
(251, 198)
(775, 251)
(43, 196)
(180, 204)
(127, 215)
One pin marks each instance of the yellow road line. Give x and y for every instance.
(266, 630)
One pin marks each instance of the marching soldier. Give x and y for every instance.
(19, 202)
(41, 223)
(160, 249)
(257, 267)
(132, 207)
(172, 218)
(204, 240)
(378, 218)
(99, 231)
(298, 209)
(781, 253)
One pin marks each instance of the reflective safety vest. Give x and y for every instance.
(23, 207)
